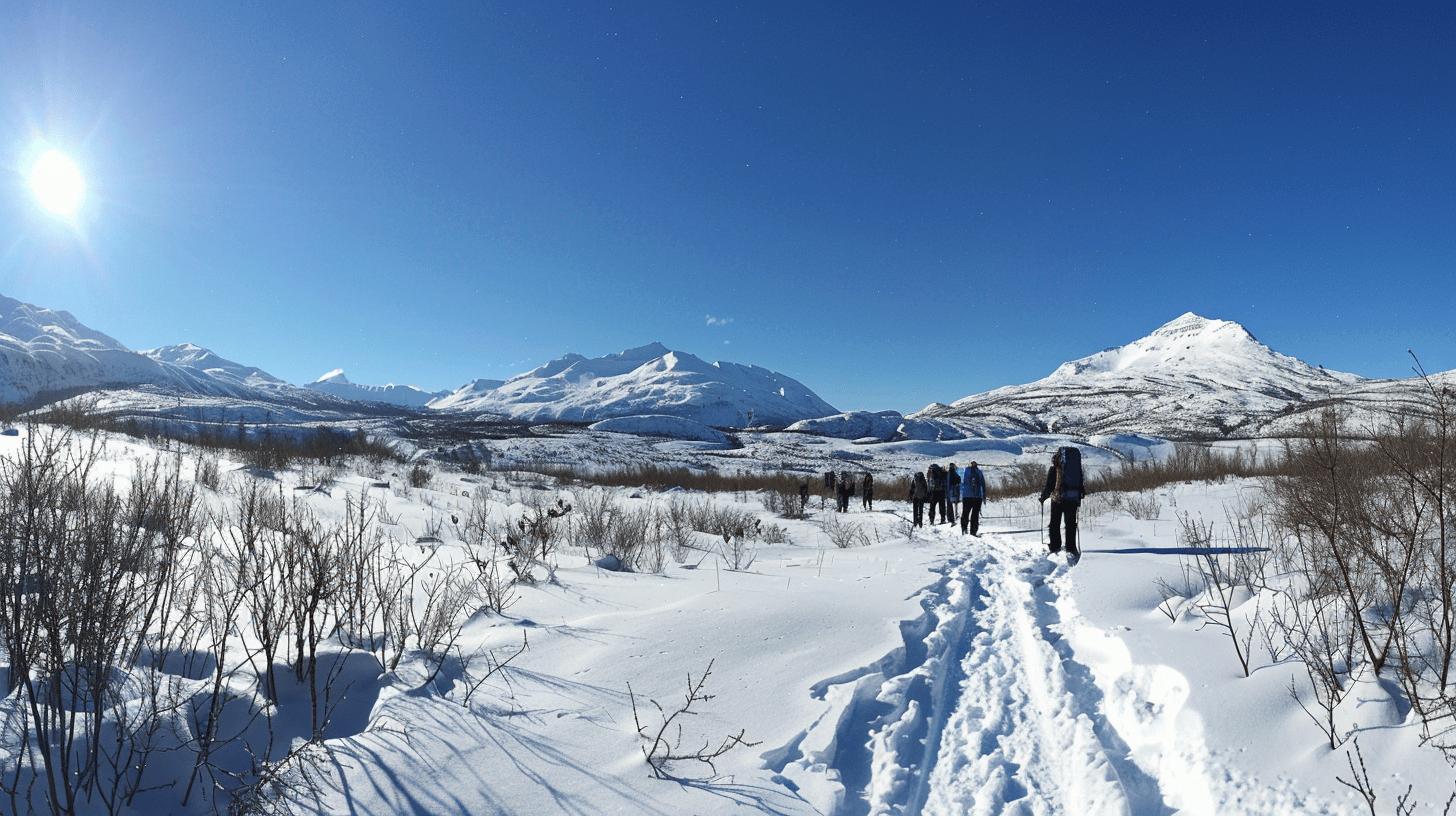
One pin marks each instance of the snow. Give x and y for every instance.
(671, 427)
(927, 673)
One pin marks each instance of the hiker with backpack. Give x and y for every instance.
(935, 479)
(842, 487)
(973, 493)
(919, 494)
(952, 493)
(1066, 488)
(867, 485)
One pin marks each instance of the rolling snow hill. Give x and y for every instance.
(1192, 377)
(407, 396)
(649, 380)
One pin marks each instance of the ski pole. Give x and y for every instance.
(1042, 526)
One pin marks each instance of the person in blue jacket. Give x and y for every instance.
(973, 493)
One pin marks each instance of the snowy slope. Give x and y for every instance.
(408, 396)
(1191, 377)
(651, 379)
(43, 351)
(465, 394)
(188, 355)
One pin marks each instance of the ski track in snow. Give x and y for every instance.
(985, 709)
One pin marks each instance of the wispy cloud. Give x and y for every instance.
(714, 320)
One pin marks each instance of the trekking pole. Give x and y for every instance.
(1041, 526)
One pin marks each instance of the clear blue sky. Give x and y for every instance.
(894, 203)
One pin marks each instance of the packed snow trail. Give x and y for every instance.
(983, 710)
(1027, 734)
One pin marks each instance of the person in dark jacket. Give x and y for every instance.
(804, 497)
(841, 493)
(952, 493)
(935, 479)
(919, 494)
(973, 493)
(867, 486)
(1064, 512)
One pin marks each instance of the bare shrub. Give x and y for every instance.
(664, 743)
(843, 534)
(774, 534)
(207, 471)
(1226, 586)
(534, 537)
(1017, 480)
(1144, 506)
(678, 529)
(737, 548)
(420, 476)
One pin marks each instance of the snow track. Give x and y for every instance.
(982, 710)
(1027, 734)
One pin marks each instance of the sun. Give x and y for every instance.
(57, 183)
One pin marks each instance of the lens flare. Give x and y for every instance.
(57, 183)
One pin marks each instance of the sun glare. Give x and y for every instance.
(57, 183)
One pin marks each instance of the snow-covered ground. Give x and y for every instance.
(915, 672)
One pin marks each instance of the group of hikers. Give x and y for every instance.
(842, 485)
(939, 488)
(943, 488)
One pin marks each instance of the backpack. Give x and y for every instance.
(1069, 475)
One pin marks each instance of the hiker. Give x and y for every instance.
(973, 493)
(952, 493)
(919, 493)
(1065, 488)
(935, 479)
(867, 486)
(848, 482)
(804, 497)
(841, 494)
(828, 480)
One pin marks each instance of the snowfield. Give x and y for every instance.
(917, 671)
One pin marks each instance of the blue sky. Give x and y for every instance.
(893, 206)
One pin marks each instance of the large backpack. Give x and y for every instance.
(1069, 475)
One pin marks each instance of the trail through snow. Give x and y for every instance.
(1027, 734)
(986, 709)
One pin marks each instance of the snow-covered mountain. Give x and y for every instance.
(651, 379)
(213, 365)
(1192, 377)
(408, 396)
(45, 351)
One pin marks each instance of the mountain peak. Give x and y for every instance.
(650, 351)
(1190, 324)
(334, 376)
